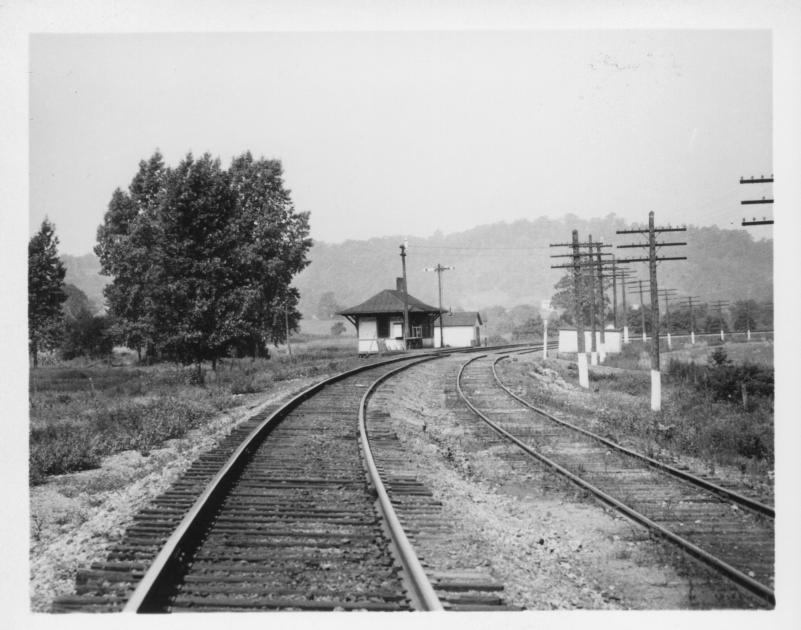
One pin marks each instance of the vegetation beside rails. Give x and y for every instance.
(82, 414)
(718, 411)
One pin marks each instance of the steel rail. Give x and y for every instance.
(737, 576)
(422, 589)
(155, 581)
(156, 578)
(754, 505)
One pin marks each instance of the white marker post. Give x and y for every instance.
(656, 390)
(584, 375)
(545, 311)
(544, 339)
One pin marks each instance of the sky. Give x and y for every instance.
(406, 133)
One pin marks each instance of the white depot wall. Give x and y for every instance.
(368, 336)
(367, 328)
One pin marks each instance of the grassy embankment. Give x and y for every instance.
(716, 406)
(81, 414)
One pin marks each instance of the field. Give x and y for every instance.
(80, 414)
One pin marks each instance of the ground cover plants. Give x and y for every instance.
(80, 414)
(716, 410)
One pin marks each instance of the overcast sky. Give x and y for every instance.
(411, 132)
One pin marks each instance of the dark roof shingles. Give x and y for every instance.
(389, 301)
(461, 319)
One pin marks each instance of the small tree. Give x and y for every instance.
(327, 306)
(529, 329)
(45, 290)
(337, 329)
(87, 335)
(76, 303)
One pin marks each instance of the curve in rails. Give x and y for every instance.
(412, 508)
(288, 522)
(298, 529)
(735, 538)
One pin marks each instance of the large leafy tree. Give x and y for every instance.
(129, 248)
(272, 244)
(45, 290)
(203, 257)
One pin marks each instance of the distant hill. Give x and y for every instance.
(509, 263)
(84, 273)
(506, 264)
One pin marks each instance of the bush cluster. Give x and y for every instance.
(726, 381)
(81, 443)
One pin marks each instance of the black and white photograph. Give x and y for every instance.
(385, 309)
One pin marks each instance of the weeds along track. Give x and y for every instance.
(285, 520)
(729, 534)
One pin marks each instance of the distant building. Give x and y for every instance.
(567, 340)
(459, 330)
(379, 322)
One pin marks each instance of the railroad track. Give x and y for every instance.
(730, 534)
(287, 519)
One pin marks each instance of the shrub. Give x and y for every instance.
(724, 380)
(61, 448)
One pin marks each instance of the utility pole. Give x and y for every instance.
(689, 302)
(757, 180)
(439, 269)
(286, 324)
(665, 293)
(652, 259)
(719, 304)
(623, 274)
(592, 267)
(602, 305)
(581, 354)
(593, 316)
(405, 299)
(642, 308)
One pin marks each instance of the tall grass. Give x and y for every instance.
(79, 415)
(719, 411)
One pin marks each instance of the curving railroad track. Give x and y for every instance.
(289, 513)
(729, 534)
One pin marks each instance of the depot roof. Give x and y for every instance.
(389, 301)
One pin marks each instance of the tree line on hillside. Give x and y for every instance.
(741, 315)
(509, 264)
(201, 260)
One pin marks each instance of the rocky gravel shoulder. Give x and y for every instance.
(551, 547)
